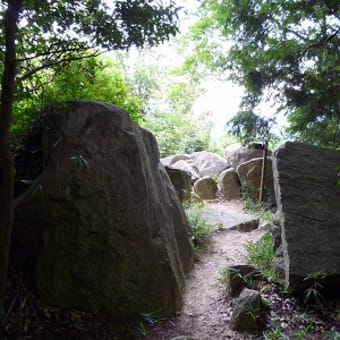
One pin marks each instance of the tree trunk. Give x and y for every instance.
(7, 171)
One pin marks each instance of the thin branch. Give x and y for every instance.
(297, 34)
(51, 52)
(333, 35)
(52, 63)
(321, 43)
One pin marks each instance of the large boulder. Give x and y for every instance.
(229, 184)
(249, 174)
(236, 154)
(198, 164)
(170, 160)
(308, 202)
(103, 222)
(185, 165)
(208, 163)
(181, 180)
(206, 188)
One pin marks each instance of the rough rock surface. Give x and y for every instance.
(208, 163)
(170, 160)
(188, 167)
(103, 220)
(181, 180)
(206, 188)
(308, 202)
(237, 277)
(229, 184)
(247, 226)
(250, 176)
(248, 314)
(199, 164)
(236, 154)
(275, 230)
(278, 264)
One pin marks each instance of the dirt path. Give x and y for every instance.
(207, 308)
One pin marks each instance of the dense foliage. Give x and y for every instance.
(249, 127)
(52, 33)
(176, 128)
(168, 105)
(92, 78)
(53, 43)
(285, 50)
(48, 35)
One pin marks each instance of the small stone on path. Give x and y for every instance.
(247, 226)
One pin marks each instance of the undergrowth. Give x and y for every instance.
(261, 253)
(200, 229)
(251, 205)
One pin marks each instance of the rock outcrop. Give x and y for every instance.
(308, 201)
(103, 221)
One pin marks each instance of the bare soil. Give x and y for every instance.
(207, 307)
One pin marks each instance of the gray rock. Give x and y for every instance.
(170, 160)
(250, 176)
(278, 264)
(229, 184)
(275, 230)
(247, 226)
(181, 180)
(224, 217)
(188, 167)
(308, 203)
(267, 226)
(236, 154)
(103, 222)
(237, 277)
(248, 314)
(206, 188)
(208, 163)
(198, 164)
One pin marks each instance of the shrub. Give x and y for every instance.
(200, 229)
(313, 295)
(88, 79)
(261, 253)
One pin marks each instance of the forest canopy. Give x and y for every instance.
(285, 51)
